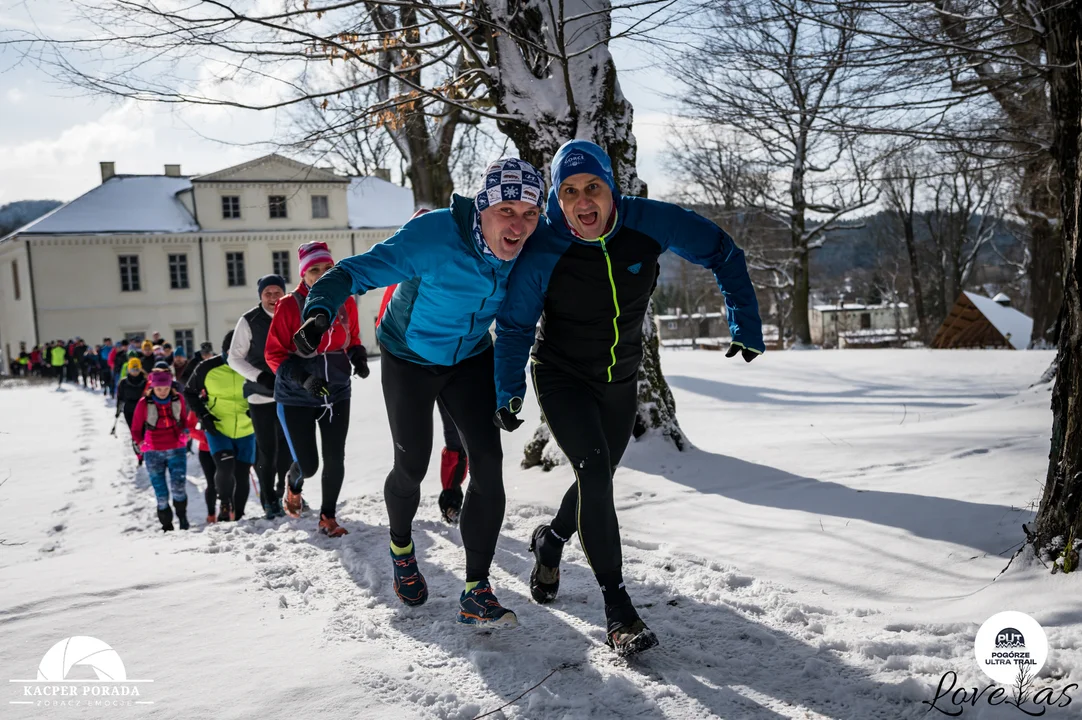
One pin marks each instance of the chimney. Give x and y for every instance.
(172, 170)
(1002, 299)
(108, 170)
(382, 174)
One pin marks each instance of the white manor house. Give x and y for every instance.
(181, 255)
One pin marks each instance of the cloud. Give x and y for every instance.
(14, 95)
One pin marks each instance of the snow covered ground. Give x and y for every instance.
(827, 550)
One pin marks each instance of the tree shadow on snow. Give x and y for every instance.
(962, 522)
(866, 395)
(724, 663)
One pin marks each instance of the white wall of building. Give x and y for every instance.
(16, 316)
(255, 209)
(828, 321)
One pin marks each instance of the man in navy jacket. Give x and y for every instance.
(589, 279)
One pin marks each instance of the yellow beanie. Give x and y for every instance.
(134, 364)
(148, 346)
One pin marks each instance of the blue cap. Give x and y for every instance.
(581, 156)
(270, 280)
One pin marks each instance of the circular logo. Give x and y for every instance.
(81, 650)
(1011, 646)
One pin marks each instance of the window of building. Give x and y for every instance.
(178, 271)
(230, 207)
(865, 321)
(15, 278)
(277, 205)
(280, 263)
(129, 273)
(319, 207)
(671, 324)
(184, 338)
(234, 269)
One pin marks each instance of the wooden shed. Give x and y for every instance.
(976, 321)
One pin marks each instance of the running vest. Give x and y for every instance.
(259, 323)
(152, 412)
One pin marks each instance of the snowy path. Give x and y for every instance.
(271, 619)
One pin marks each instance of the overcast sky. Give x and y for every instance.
(52, 138)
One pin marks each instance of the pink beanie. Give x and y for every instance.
(161, 378)
(311, 253)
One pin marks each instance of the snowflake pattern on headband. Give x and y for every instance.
(511, 179)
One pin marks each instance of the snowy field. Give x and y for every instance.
(827, 550)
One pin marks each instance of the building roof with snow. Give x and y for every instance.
(152, 204)
(376, 203)
(857, 307)
(121, 204)
(979, 321)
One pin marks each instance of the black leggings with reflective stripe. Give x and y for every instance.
(468, 392)
(592, 424)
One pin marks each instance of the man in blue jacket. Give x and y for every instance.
(452, 266)
(589, 279)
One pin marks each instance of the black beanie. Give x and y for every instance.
(227, 341)
(271, 279)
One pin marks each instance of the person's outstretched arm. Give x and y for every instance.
(406, 254)
(700, 241)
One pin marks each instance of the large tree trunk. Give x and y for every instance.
(914, 275)
(1045, 272)
(801, 271)
(1059, 519)
(575, 96)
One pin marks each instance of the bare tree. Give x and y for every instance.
(965, 195)
(899, 187)
(542, 71)
(789, 87)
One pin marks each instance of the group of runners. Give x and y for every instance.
(566, 278)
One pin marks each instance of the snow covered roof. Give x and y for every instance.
(1014, 326)
(376, 203)
(149, 204)
(123, 203)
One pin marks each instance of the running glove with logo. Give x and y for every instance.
(747, 353)
(316, 386)
(310, 334)
(506, 418)
(358, 357)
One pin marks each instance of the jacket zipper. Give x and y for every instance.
(615, 303)
(473, 318)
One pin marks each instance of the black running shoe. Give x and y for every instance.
(627, 633)
(545, 576)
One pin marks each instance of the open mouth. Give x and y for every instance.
(588, 219)
(512, 241)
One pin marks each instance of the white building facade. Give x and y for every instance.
(181, 256)
(853, 325)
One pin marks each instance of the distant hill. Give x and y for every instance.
(14, 215)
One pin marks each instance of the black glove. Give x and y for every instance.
(747, 353)
(266, 379)
(358, 357)
(316, 386)
(309, 336)
(209, 422)
(506, 418)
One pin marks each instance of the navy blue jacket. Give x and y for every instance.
(592, 295)
(448, 292)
